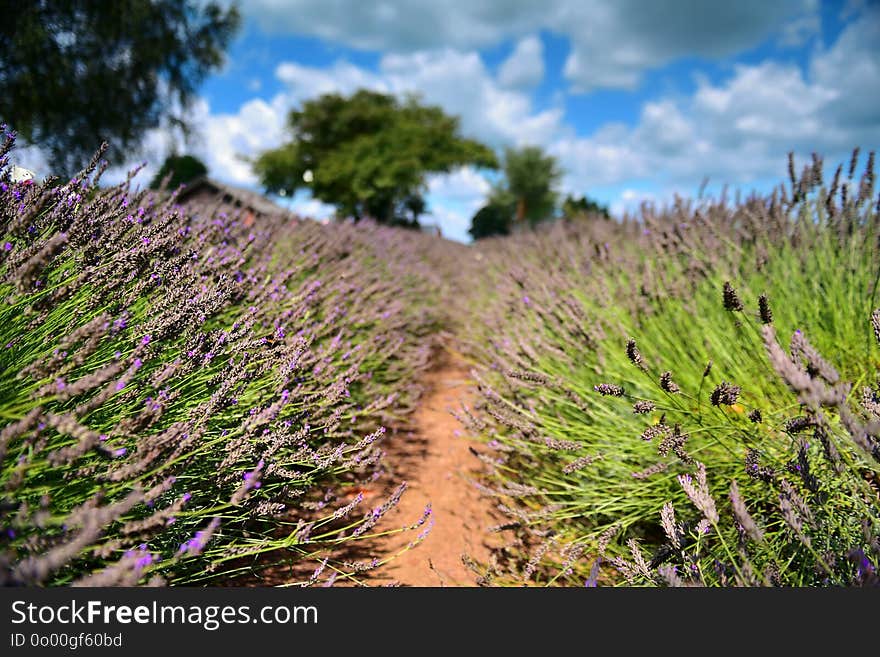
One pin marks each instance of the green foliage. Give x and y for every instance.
(368, 154)
(491, 219)
(182, 169)
(617, 358)
(578, 208)
(183, 397)
(78, 73)
(530, 180)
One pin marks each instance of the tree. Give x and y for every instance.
(491, 219)
(77, 72)
(182, 169)
(530, 181)
(573, 208)
(368, 154)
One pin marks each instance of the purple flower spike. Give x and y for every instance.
(146, 340)
(7, 246)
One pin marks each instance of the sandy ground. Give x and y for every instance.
(438, 466)
(432, 454)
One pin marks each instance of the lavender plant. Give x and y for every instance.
(185, 399)
(651, 343)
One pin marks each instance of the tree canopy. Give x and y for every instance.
(368, 154)
(574, 208)
(530, 180)
(76, 72)
(490, 220)
(181, 169)
(524, 196)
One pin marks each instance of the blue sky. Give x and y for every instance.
(638, 100)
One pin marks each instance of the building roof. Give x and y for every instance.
(237, 196)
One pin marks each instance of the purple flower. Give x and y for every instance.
(120, 452)
(59, 383)
(7, 246)
(120, 384)
(526, 300)
(138, 363)
(146, 340)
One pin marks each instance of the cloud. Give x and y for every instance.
(305, 206)
(736, 129)
(305, 82)
(457, 81)
(739, 130)
(801, 29)
(612, 43)
(465, 185)
(525, 66)
(230, 138)
(454, 198)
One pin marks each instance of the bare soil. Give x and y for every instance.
(432, 454)
(435, 460)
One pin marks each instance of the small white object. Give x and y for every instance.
(308, 176)
(20, 174)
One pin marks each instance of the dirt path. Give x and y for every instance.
(435, 461)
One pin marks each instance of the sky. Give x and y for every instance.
(638, 100)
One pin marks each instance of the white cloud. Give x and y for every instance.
(630, 200)
(454, 198)
(465, 185)
(739, 130)
(800, 30)
(613, 43)
(229, 138)
(525, 66)
(305, 206)
(304, 82)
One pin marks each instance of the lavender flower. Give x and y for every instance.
(609, 389)
(742, 514)
(667, 384)
(764, 309)
(698, 493)
(635, 357)
(731, 299)
(724, 394)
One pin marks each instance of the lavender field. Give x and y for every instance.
(684, 397)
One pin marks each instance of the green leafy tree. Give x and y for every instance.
(75, 73)
(368, 154)
(491, 219)
(576, 208)
(530, 180)
(181, 169)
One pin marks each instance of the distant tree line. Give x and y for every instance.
(527, 195)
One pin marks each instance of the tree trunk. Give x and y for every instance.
(520, 211)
